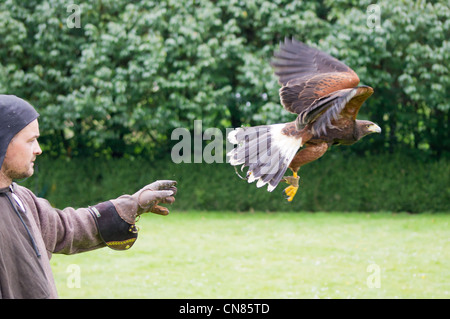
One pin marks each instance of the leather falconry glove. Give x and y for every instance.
(129, 207)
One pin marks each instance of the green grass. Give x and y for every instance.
(269, 255)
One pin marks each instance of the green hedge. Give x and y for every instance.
(337, 182)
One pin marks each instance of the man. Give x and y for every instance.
(31, 229)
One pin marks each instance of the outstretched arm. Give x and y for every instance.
(111, 223)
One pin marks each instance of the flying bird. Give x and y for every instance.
(325, 95)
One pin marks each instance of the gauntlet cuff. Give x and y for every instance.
(127, 208)
(115, 232)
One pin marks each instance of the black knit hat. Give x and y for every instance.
(15, 114)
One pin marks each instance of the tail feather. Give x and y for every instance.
(265, 150)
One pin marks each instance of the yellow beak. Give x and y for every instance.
(373, 128)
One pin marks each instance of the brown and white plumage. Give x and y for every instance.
(323, 92)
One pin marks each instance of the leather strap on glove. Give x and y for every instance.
(129, 207)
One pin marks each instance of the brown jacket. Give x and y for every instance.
(29, 235)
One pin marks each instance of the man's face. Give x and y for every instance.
(22, 152)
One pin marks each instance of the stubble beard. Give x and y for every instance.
(13, 174)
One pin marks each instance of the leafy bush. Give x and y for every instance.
(135, 70)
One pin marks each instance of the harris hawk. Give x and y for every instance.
(325, 95)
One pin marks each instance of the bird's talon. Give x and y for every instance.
(291, 190)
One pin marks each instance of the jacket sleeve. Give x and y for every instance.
(71, 231)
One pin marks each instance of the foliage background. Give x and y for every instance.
(117, 86)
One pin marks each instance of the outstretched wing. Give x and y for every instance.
(351, 109)
(307, 75)
(325, 111)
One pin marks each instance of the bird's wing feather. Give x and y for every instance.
(351, 109)
(324, 111)
(307, 74)
(295, 60)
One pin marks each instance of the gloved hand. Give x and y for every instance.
(151, 195)
(146, 200)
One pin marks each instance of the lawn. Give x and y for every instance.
(269, 255)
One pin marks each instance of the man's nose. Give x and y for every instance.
(38, 150)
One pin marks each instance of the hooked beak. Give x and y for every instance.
(373, 128)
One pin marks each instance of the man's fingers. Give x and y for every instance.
(173, 189)
(160, 210)
(161, 191)
(168, 200)
(162, 195)
(166, 197)
(149, 197)
(162, 184)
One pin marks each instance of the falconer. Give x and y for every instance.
(31, 230)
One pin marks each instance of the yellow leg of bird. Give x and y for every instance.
(291, 190)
